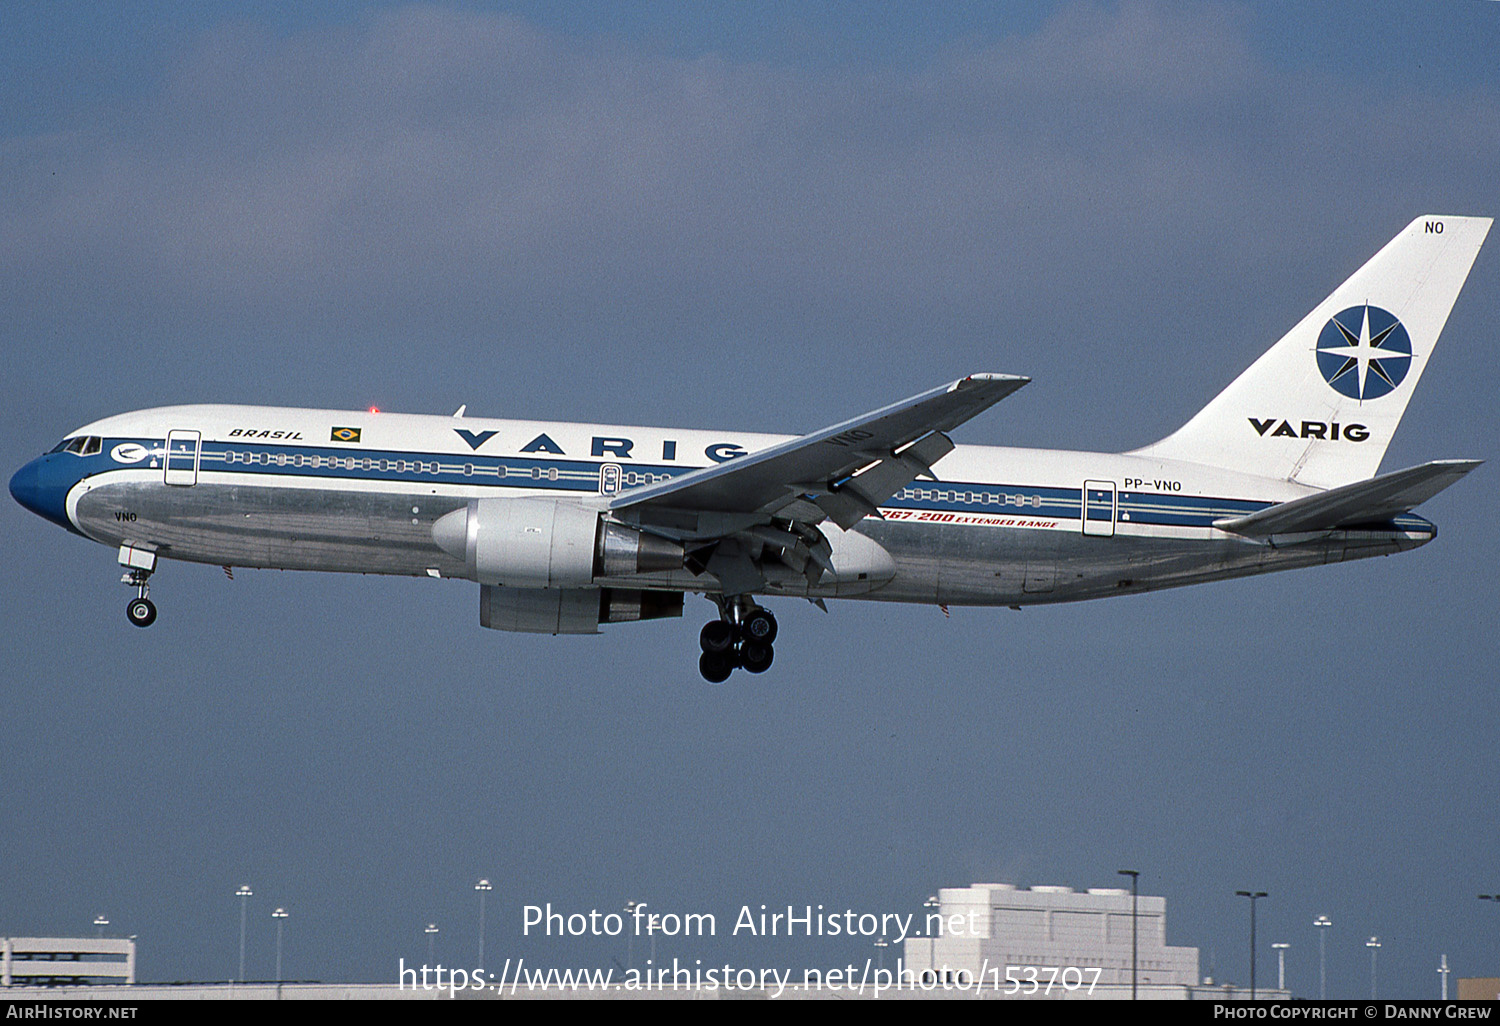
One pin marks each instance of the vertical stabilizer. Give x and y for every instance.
(1320, 406)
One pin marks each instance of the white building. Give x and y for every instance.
(52, 961)
(990, 928)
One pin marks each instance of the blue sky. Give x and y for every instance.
(766, 217)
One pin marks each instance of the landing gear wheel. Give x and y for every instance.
(756, 657)
(759, 626)
(716, 666)
(716, 637)
(141, 612)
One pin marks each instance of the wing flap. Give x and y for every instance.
(849, 502)
(1363, 502)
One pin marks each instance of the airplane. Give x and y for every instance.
(568, 526)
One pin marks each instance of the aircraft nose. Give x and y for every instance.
(42, 487)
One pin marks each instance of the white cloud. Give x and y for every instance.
(430, 172)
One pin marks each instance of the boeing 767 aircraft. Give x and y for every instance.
(569, 526)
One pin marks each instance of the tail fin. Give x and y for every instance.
(1320, 406)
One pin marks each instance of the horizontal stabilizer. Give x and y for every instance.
(1363, 502)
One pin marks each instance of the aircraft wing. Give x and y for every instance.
(845, 471)
(1363, 502)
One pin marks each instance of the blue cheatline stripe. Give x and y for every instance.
(1064, 503)
(361, 464)
(350, 463)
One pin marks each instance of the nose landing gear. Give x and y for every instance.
(740, 638)
(141, 612)
(139, 565)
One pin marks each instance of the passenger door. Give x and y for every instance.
(1099, 508)
(182, 457)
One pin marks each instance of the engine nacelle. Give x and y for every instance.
(570, 610)
(522, 543)
(626, 605)
(547, 543)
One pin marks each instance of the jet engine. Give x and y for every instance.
(547, 543)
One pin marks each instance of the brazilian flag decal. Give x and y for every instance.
(345, 434)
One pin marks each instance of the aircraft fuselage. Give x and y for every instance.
(360, 492)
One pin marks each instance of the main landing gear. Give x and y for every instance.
(741, 637)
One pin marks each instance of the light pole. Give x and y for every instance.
(1135, 879)
(1254, 896)
(243, 893)
(431, 933)
(101, 923)
(932, 905)
(280, 916)
(630, 907)
(1322, 923)
(483, 887)
(1483, 897)
(1443, 971)
(1374, 945)
(1280, 949)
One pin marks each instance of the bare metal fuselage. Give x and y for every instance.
(1001, 526)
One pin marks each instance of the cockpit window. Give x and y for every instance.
(81, 445)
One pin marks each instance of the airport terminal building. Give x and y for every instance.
(1065, 936)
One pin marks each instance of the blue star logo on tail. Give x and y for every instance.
(1364, 352)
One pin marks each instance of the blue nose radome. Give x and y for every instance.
(42, 487)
